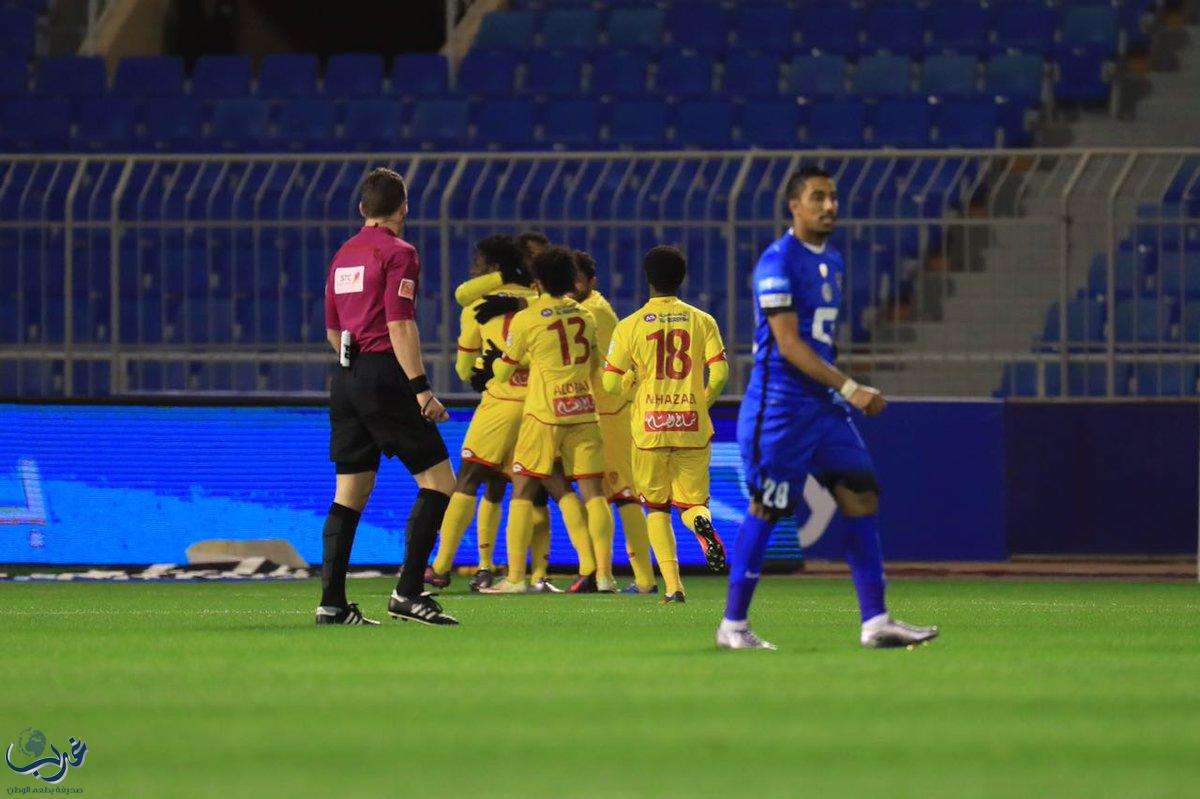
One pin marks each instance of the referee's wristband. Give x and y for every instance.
(419, 384)
(848, 388)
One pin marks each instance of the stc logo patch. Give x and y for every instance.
(408, 288)
(574, 406)
(348, 279)
(650, 317)
(771, 283)
(672, 421)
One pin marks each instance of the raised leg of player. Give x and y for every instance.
(698, 519)
(540, 545)
(662, 539)
(600, 528)
(637, 544)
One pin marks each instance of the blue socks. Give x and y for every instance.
(746, 565)
(865, 557)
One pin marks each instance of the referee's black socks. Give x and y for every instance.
(420, 535)
(340, 525)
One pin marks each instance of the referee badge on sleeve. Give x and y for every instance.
(408, 288)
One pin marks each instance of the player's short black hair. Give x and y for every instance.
(795, 184)
(665, 268)
(501, 252)
(382, 193)
(554, 267)
(585, 263)
(530, 239)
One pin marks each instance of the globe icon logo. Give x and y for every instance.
(32, 742)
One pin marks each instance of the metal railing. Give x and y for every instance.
(143, 273)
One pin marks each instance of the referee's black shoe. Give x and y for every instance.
(347, 615)
(424, 609)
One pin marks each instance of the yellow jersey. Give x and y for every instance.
(668, 344)
(606, 322)
(555, 338)
(474, 338)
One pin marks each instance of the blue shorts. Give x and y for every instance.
(782, 444)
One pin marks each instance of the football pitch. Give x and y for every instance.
(1064, 689)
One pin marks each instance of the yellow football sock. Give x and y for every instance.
(518, 533)
(690, 515)
(488, 526)
(454, 524)
(600, 530)
(576, 523)
(540, 547)
(662, 538)
(637, 544)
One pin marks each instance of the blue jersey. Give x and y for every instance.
(792, 276)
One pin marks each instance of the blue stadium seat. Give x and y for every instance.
(14, 76)
(967, 123)
(831, 28)
(505, 124)
(619, 74)
(17, 31)
(172, 123)
(769, 29)
(1091, 379)
(506, 30)
(420, 75)
(570, 29)
(553, 74)
(897, 29)
(71, 76)
(238, 124)
(770, 124)
(1024, 28)
(958, 29)
(638, 124)
(35, 123)
(705, 124)
(1132, 272)
(1169, 379)
(354, 75)
(1016, 76)
(288, 75)
(306, 124)
(149, 76)
(571, 123)
(1093, 28)
(1143, 321)
(635, 28)
(1189, 322)
(489, 73)
(684, 75)
(950, 76)
(1081, 77)
(881, 76)
(817, 77)
(1085, 322)
(698, 27)
(900, 123)
(440, 123)
(837, 124)
(750, 75)
(1179, 275)
(105, 124)
(221, 76)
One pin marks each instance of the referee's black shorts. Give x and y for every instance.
(372, 411)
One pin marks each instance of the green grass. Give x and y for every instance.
(229, 690)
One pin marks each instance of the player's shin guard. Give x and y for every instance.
(338, 537)
(424, 519)
(576, 523)
(865, 556)
(600, 530)
(637, 544)
(454, 524)
(517, 534)
(662, 538)
(539, 547)
(746, 565)
(487, 527)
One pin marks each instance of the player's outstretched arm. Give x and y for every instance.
(784, 326)
(471, 290)
(406, 343)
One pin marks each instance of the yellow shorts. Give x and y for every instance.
(492, 433)
(668, 476)
(618, 444)
(539, 445)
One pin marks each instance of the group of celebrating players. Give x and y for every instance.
(570, 396)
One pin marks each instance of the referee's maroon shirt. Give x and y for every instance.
(372, 281)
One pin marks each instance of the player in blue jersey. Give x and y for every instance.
(796, 418)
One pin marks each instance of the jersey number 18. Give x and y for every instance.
(671, 357)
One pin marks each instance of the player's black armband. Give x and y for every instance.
(419, 384)
(773, 311)
(495, 305)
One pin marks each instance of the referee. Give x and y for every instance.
(380, 402)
